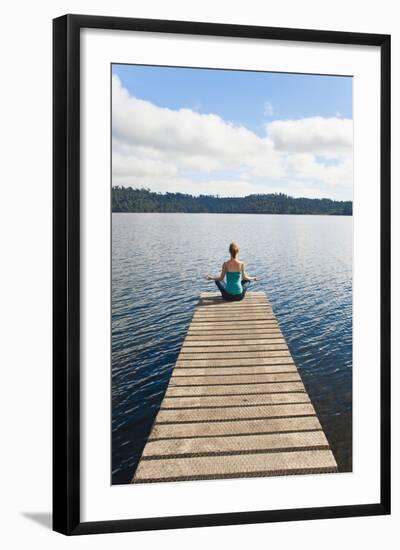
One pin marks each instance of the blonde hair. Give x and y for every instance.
(234, 249)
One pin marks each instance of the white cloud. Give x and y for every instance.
(329, 137)
(268, 109)
(182, 150)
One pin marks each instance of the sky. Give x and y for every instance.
(232, 133)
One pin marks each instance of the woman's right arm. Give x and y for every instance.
(246, 276)
(221, 277)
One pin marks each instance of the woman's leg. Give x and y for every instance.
(238, 297)
(220, 285)
(245, 286)
(232, 297)
(222, 288)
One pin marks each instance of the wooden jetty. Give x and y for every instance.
(235, 405)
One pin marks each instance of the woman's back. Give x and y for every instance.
(234, 272)
(234, 265)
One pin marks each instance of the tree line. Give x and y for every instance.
(128, 199)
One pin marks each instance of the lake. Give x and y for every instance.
(158, 266)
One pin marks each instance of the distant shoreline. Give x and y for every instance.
(130, 200)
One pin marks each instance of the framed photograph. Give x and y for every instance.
(221, 274)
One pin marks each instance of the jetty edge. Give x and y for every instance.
(235, 405)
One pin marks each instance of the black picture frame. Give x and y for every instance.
(66, 273)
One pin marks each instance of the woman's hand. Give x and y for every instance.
(210, 278)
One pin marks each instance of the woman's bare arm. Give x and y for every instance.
(221, 276)
(246, 276)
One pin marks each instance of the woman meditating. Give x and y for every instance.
(237, 280)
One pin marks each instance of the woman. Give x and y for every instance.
(237, 280)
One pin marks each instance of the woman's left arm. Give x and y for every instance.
(221, 277)
(246, 276)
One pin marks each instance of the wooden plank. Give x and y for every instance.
(258, 327)
(240, 307)
(212, 336)
(232, 371)
(232, 353)
(235, 362)
(239, 401)
(230, 333)
(240, 304)
(218, 299)
(201, 446)
(217, 467)
(238, 311)
(235, 427)
(254, 313)
(235, 355)
(233, 317)
(189, 343)
(234, 306)
(217, 414)
(223, 325)
(258, 309)
(208, 303)
(249, 301)
(270, 320)
(223, 309)
(209, 336)
(240, 389)
(216, 294)
(236, 348)
(250, 298)
(231, 380)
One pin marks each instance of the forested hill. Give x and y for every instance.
(127, 199)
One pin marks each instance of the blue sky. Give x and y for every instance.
(205, 91)
(308, 142)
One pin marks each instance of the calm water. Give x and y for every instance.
(158, 264)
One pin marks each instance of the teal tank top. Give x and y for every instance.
(234, 282)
